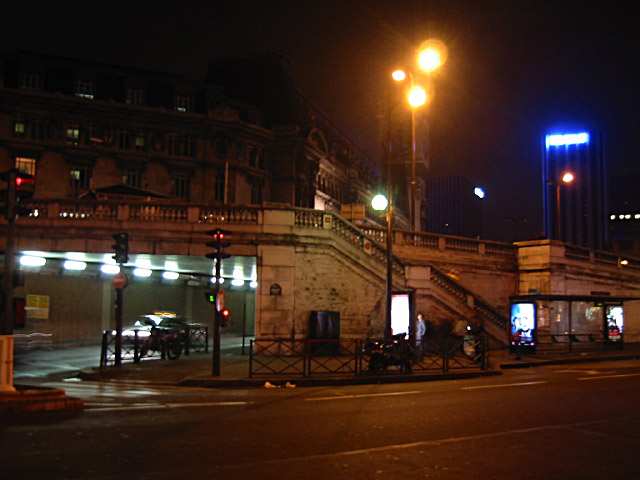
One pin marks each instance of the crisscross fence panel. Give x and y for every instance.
(307, 358)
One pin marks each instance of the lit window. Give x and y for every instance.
(183, 103)
(84, 89)
(26, 165)
(73, 134)
(19, 127)
(140, 142)
(79, 177)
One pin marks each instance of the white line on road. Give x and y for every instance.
(317, 399)
(503, 385)
(163, 406)
(620, 375)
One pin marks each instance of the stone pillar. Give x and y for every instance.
(275, 300)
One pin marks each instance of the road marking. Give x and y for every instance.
(343, 397)
(620, 375)
(589, 372)
(162, 406)
(503, 385)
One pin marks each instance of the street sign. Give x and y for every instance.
(119, 281)
(220, 300)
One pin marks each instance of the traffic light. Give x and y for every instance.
(217, 242)
(210, 296)
(224, 317)
(18, 188)
(121, 247)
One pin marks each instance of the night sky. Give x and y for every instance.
(516, 70)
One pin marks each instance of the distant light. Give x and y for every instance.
(612, 217)
(627, 217)
(213, 280)
(74, 265)
(479, 192)
(30, 261)
(237, 282)
(636, 216)
(399, 75)
(142, 272)
(170, 275)
(253, 284)
(567, 139)
(624, 262)
(567, 177)
(379, 202)
(110, 269)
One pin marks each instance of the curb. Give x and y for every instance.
(331, 381)
(34, 399)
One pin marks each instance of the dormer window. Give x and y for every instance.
(183, 103)
(135, 96)
(30, 81)
(85, 89)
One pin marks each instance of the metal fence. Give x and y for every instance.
(576, 342)
(196, 339)
(351, 357)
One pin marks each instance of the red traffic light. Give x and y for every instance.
(225, 313)
(22, 178)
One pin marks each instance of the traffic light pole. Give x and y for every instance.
(216, 325)
(6, 327)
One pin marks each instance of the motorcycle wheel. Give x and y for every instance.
(174, 349)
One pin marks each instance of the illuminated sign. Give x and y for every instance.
(567, 139)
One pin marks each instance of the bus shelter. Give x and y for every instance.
(566, 322)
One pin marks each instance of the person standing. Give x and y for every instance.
(421, 330)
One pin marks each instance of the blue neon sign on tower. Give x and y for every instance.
(567, 139)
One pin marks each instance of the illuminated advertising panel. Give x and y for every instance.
(615, 322)
(523, 324)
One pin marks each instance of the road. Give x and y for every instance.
(546, 422)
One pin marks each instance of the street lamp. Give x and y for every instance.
(380, 203)
(429, 57)
(566, 178)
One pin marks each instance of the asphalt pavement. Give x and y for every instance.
(34, 367)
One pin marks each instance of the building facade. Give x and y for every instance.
(243, 136)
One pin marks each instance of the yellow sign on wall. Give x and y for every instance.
(37, 306)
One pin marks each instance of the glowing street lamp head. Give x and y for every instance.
(431, 55)
(417, 96)
(399, 75)
(567, 177)
(379, 202)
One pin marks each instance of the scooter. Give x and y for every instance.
(384, 353)
(167, 342)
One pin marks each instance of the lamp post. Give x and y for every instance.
(379, 203)
(567, 178)
(430, 56)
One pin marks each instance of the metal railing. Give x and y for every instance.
(312, 358)
(576, 342)
(196, 339)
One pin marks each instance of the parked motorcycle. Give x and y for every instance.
(385, 353)
(167, 341)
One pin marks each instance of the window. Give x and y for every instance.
(73, 134)
(26, 165)
(252, 155)
(80, 177)
(180, 185)
(139, 146)
(189, 146)
(135, 96)
(30, 81)
(220, 184)
(132, 178)
(19, 127)
(256, 192)
(37, 129)
(124, 139)
(84, 89)
(183, 103)
(173, 144)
